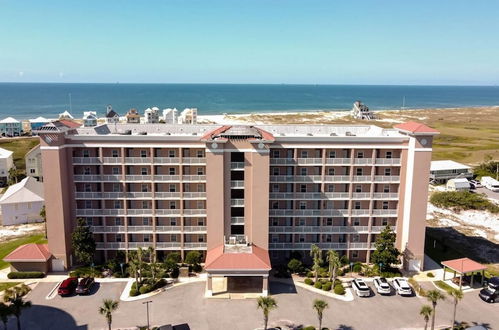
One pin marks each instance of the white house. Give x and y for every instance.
(65, 115)
(112, 117)
(35, 124)
(33, 161)
(170, 116)
(6, 163)
(22, 202)
(188, 116)
(10, 127)
(458, 185)
(151, 115)
(89, 118)
(443, 170)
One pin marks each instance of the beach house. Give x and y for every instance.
(170, 116)
(111, 116)
(133, 116)
(151, 115)
(10, 127)
(33, 160)
(188, 116)
(22, 202)
(6, 163)
(65, 115)
(89, 118)
(443, 170)
(36, 123)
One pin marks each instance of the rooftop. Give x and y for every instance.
(256, 259)
(29, 252)
(28, 190)
(442, 165)
(416, 128)
(9, 120)
(4, 153)
(464, 265)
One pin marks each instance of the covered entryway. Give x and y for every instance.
(466, 269)
(244, 284)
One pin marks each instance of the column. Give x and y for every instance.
(209, 286)
(265, 286)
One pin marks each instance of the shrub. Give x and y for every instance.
(310, 274)
(15, 275)
(339, 289)
(463, 200)
(175, 273)
(417, 288)
(282, 272)
(174, 257)
(145, 289)
(134, 292)
(197, 268)
(357, 267)
(310, 327)
(318, 285)
(295, 266)
(337, 282)
(344, 260)
(308, 281)
(327, 286)
(193, 258)
(430, 274)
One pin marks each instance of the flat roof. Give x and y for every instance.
(442, 165)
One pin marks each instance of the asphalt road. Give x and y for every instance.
(186, 305)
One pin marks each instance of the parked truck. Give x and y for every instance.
(490, 183)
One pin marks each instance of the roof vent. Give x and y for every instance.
(333, 134)
(348, 133)
(310, 134)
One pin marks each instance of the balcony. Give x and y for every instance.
(138, 178)
(112, 177)
(194, 160)
(309, 195)
(138, 160)
(336, 178)
(167, 195)
(137, 229)
(167, 178)
(194, 178)
(309, 161)
(237, 166)
(338, 161)
(195, 245)
(385, 212)
(237, 220)
(361, 212)
(194, 229)
(362, 178)
(309, 212)
(147, 212)
(111, 245)
(168, 229)
(87, 178)
(387, 161)
(136, 245)
(99, 212)
(112, 160)
(194, 195)
(387, 178)
(385, 196)
(306, 246)
(166, 160)
(86, 160)
(361, 195)
(194, 211)
(237, 202)
(237, 184)
(108, 229)
(282, 161)
(88, 195)
(295, 178)
(363, 161)
(167, 211)
(168, 245)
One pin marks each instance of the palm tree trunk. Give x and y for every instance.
(320, 324)
(454, 316)
(265, 321)
(433, 318)
(109, 324)
(426, 325)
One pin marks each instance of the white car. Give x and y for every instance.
(360, 287)
(476, 183)
(382, 285)
(402, 286)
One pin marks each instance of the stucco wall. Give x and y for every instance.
(29, 266)
(18, 213)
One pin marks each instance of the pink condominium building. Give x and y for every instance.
(242, 195)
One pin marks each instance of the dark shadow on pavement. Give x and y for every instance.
(39, 317)
(282, 288)
(95, 287)
(344, 327)
(183, 326)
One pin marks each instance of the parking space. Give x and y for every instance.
(186, 304)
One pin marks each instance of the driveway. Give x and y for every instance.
(490, 194)
(186, 304)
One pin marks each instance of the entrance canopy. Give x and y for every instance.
(255, 259)
(464, 265)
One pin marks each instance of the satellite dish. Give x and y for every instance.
(214, 145)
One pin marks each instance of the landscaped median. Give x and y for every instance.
(300, 282)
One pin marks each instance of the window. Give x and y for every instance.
(357, 205)
(88, 205)
(200, 153)
(117, 221)
(275, 238)
(388, 154)
(173, 205)
(304, 154)
(356, 222)
(330, 171)
(29, 206)
(303, 188)
(275, 205)
(384, 221)
(143, 171)
(171, 153)
(303, 205)
(87, 171)
(329, 238)
(385, 205)
(200, 171)
(275, 187)
(276, 153)
(275, 222)
(386, 188)
(115, 170)
(330, 188)
(301, 238)
(173, 188)
(360, 154)
(329, 221)
(144, 187)
(89, 221)
(200, 239)
(88, 187)
(173, 222)
(275, 171)
(143, 153)
(200, 222)
(145, 204)
(355, 254)
(388, 171)
(359, 171)
(146, 238)
(86, 153)
(146, 221)
(32, 171)
(303, 171)
(173, 238)
(358, 188)
(301, 222)
(201, 188)
(116, 187)
(117, 204)
(332, 154)
(200, 205)
(119, 237)
(114, 153)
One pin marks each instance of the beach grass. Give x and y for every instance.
(9, 246)
(20, 146)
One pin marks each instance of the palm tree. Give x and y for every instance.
(333, 259)
(107, 309)
(434, 296)
(316, 254)
(266, 304)
(426, 311)
(457, 294)
(5, 312)
(14, 296)
(320, 306)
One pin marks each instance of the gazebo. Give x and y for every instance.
(462, 267)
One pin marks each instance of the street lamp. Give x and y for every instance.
(147, 309)
(121, 265)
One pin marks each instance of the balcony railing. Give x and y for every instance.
(195, 245)
(110, 245)
(108, 229)
(309, 212)
(236, 202)
(166, 160)
(309, 195)
(338, 161)
(86, 160)
(386, 178)
(362, 178)
(168, 211)
(336, 178)
(237, 184)
(132, 228)
(194, 177)
(363, 161)
(168, 245)
(387, 161)
(361, 195)
(112, 160)
(194, 211)
(309, 161)
(195, 229)
(306, 246)
(194, 195)
(295, 178)
(139, 178)
(167, 178)
(138, 160)
(385, 195)
(139, 211)
(194, 160)
(237, 165)
(167, 194)
(168, 229)
(360, 212)
(135, 245)
(385, 212)
(237, 220)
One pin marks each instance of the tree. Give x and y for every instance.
(107, 309)
(175, 257)
(295, 266)
(434, 296)
(334, 262)
(316, 254)
(386, 254)
(136, 264)
(13, 175)
(5, 312)
(83, 242)
(15, 297)
(320, 306)
(426, 311)
(266, 304)
(193, 258)
(457, 294)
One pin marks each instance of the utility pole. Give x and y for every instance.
(147, 309)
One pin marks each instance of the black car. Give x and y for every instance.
(85, 285)
(491, 293)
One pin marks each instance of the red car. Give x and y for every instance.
(68, 286)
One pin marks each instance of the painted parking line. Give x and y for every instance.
(53, 292)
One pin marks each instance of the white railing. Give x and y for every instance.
(138, 160)
(110, 245)
(360, 246)
(306, 246)
(193, 229)
(132, 228)
(86, 160)
(194, 211)
(194, 160)
(199, 194)
(167, 194)
(360, 212)
(87, 177)
(295, 178)
(138, 177)
(139, 211)
(361, 195)
(387, 178)
(237, 220)
(168, 229)
(167, 178)
(108, 229)
(299, 212)
(166, 160)
(165, 245)
(362, 178)
(88, 195)
(338, 161)
(385, 196)
(385, 212)
(135, 245)
(387, 161)
(237, 165)
(237, 184)
(363, 161)
(236, 202)
(309, 161)
(282, 161)
(112, 177)
(194, 177)
(167, 211)
(112, 160)
(194, 244)
(336, 178)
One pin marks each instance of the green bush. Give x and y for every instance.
(174, 257)
(430, 274)
(344, 260)
(339, 289)
(134, 292)
(327, 286)
(145, 289)
(310, 274)
(357, 267)
(308, 281)
(193, 258)
(310, 327)
(295, 266)
(21, 275)
(318, 285)
(463, 200)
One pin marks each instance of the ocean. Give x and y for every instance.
(30, 100)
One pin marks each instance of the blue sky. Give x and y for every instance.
(453, 42)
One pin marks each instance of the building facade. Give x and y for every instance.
(10, 127)
(238, 194)
(22, 202)
(33, 160)
(6, 163)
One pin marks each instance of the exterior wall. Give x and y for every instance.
(18, 213)
(10, 129)
(215, 207)
(30, 267)
(33, 161)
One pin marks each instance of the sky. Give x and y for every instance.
(424, 42)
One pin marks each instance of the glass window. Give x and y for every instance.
(357, 205)
(173, 222)
(360, 154)
(117, 204)
(301, 238)
(87, 171)
(275, 187)
(386, 188)
(114, 153)
(385, 205)
(356, 222)
(200, 153)
(388, 154)
(303, 171)
(115, 170)
(304, 154)
(173, 188)
(276, 153)
(119, 237)
(88, 205)
(329, 221)
(173, 238)
(358, 188)
(173, 205)
(146, 238)
(330, 171)
(145, 187)
(303, 188)
(145, 204)
(146, 221)
(116, 187)
(330, 188)
(384, 221)
(275, 171)
(143, 170)
(332, 154)
(355, 254)
(86, 153)
(388, 171)
(143, 153)
(171, 153)
(303, 205)
(359, 171)
(88, 187)
(200, 171)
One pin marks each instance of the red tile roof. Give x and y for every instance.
(216, 259)
(69, 123)
(29, 252)
(414, 127)
(464, 265)
(209, 135)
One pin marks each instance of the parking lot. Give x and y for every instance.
(186, 305)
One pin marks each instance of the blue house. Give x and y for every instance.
(37, 123)
(10, 127)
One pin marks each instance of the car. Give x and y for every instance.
(85, 285)
(490, 294)
(360, 287)
(402, 287)
(382, 285)
(68, 286)
(476, 184)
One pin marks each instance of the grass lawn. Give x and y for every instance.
(9, 246)
(20, 146)
(6, 285)
(444, 286)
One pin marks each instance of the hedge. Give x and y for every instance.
(309, 281)
(318, 285)
(339, 289)
(16, 275)
(327, 286)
